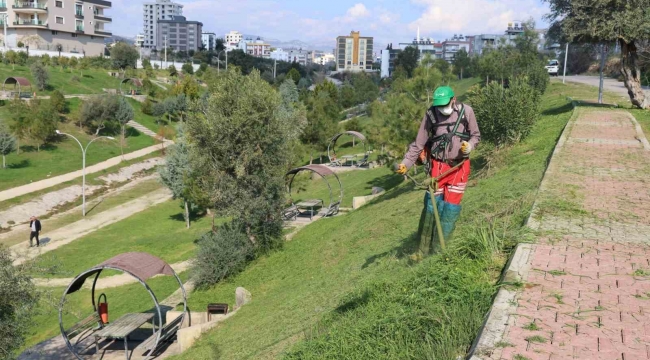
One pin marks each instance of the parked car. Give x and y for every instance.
(553, 67)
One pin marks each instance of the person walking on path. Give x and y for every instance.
(448, 134)
(35, 227)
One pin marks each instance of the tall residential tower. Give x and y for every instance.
(354, 52)
(154, 11)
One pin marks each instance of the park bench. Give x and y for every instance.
(167, 333)
(364, 161)
(335, 162)
(333, 209)
(291, 213)
(92, 323)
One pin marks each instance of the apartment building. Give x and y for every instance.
(209, 40)
(300, 56)
(152, 13)
(65, 25)
(179, 34)
(354, 52)
(257, 48)
(279, 55)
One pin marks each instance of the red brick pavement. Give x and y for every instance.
(587, 293)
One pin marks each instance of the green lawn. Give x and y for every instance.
(159, 230)
(62, 155)
(348, 284)
(122, 300)
(92, 81)
(95, 205)
(150, 122)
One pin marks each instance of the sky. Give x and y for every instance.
(320, 22)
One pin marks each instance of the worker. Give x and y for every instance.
(448, 134)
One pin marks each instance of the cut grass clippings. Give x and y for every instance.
(344, 288)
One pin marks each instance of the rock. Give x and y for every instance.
(242, 297)
(377, 190)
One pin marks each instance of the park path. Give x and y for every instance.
(67, 234)
(585, 283)
(609, 84)
(56, 180)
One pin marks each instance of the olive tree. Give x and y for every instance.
(40, 74)
(123, 114)
(19, 299)
(175, 173)
(601, 21)
(7, 143)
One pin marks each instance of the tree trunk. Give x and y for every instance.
(17, 145)
(4, 164)
(311, 157)
(187, 215)
(632, 74)
(122, 140)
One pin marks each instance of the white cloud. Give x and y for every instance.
(357, 11)
(441, 18)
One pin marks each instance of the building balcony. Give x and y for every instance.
(3, 6)
(79, 14)
(102, 32)
(102, 17)
(29, 7)
(79, 29)
(30, 23)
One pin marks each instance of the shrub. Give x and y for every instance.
(147, 107)
(221, 254)
(58, 101)
(188, 68)
(537, 76)
(21, 44)
(505, 115)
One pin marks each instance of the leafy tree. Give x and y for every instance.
(19, 300)
(7, 143)
(181, 105)
(240, 151)
(40, 74)
(365, 88)
(176, 172)
(124, 56)
(146, 64)
(147, 107)
(172, 70)
(408, 59)
(84, 64)
(188, 87)
(57, 99)
(20, 121)
(12, 57)
(294, 115)
(329, 88)
(98, 113)
(294, 75)
(44, 122)
(601, 21)
(188, 68)
(348, 96)
(322, 121)
(462, 62)
(74, 63)
(123, 114)
(352, 125)
(219, 45)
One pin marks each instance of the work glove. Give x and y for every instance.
(466, 148)
(401, 169)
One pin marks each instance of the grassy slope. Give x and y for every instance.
(92, 82)
(93, 207)
(301, 286)
(122, 300)
(62, 155)
(159, 230)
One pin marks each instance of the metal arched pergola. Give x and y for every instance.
(331, 148)
(325, 173)
(136, 82)
(141, 266)
(17, 82)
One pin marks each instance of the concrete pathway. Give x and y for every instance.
(609, 84)
(585, 284)
(143, 129)
(67, 234)
(47, 183)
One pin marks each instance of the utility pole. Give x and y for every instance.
(602, 68)
(275, 67)
(226, 59)
(165, 37)
(566, 56)
(5, 19)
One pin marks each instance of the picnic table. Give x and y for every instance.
(310, 204)
(122, 328)
(349, 158)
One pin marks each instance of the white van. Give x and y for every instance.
(553, 67)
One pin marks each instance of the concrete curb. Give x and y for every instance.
(505, 303)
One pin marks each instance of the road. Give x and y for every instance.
(611, 85)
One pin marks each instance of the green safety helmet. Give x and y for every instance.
(442, 96)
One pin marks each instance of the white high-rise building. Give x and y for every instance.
(234, 37)
(154, 11)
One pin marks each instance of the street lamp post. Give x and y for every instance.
(566, 58)
(219, 61)
(83, 152)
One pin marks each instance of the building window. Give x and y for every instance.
(59, 20)
(54, 32)
(58, 4)
(74, 35)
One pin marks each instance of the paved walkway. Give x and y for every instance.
(67, 234)
(47, 183)
(585, 290)
(609, 84)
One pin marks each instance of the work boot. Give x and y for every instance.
(448, 219)
(427, 229)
